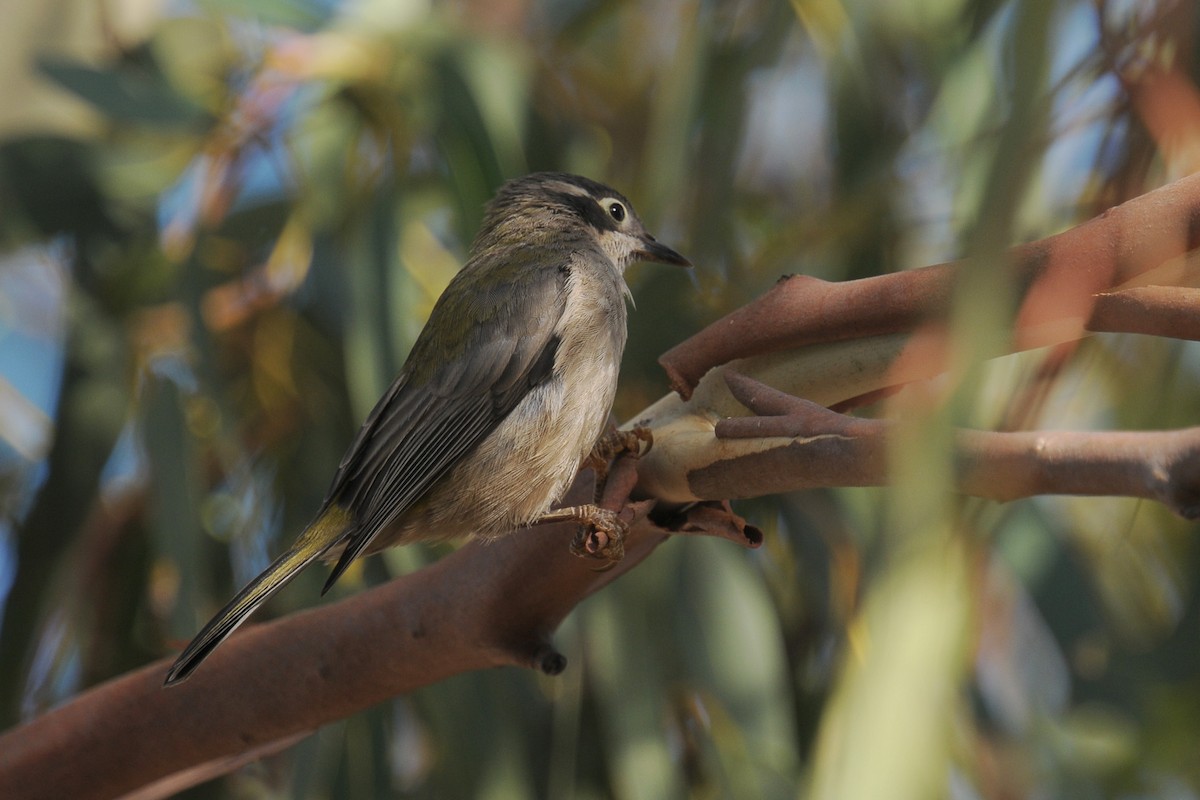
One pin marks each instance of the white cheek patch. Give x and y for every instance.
(620, 247)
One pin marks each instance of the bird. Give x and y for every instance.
(503, 395)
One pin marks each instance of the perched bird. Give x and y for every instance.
(504, 393)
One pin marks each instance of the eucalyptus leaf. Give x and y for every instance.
(126, 94)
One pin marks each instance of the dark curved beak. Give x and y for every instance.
(653, 250)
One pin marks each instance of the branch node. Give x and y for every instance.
(549, 661)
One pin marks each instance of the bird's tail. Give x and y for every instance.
(322, 534)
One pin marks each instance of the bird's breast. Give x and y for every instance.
(529, 460)
(536, 451)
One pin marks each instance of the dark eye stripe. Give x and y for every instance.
(589, 209)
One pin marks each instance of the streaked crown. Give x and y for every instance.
(559, 209)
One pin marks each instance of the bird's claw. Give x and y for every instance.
(613, 444)
(616, 442)
(601, 537)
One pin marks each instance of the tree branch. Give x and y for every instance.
(802, 445)
(485, 605)
(1137, 242)
(1133, 269)
(1168, 311)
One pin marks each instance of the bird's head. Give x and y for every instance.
(557, 206)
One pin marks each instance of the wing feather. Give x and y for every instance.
(437, 412)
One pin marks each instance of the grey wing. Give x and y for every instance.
(427, 422)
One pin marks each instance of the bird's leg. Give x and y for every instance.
(601, 534)
(610, 445)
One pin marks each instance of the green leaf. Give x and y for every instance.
(302, 15)
(126, 94)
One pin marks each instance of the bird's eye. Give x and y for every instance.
(617, 211)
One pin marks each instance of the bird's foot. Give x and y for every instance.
(613, 444)
(601, 535)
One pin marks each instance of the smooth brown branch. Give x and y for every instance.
(819, 448)
(800, 310)
(801, 445)
(1155, 465)
(1060, 278)
(1168, 311)
(846, 374)
(485, 605)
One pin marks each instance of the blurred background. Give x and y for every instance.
(223, 223)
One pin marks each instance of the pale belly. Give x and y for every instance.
(529, 460)
(522, 468)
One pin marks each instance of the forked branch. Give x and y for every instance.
(811, 446)
(1134, 269)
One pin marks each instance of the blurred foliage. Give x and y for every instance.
(223, 223)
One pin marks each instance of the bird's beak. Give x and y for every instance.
(653, 250)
